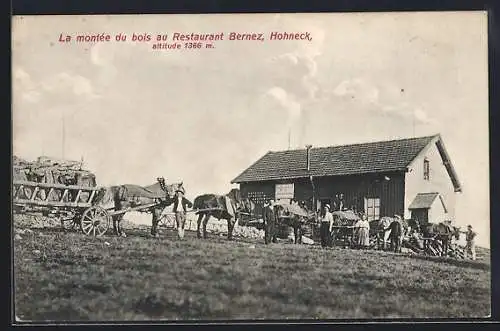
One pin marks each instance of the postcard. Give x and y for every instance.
(224, 167)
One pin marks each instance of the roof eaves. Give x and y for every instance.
(350, 173)
(434, 195)
(236, 179)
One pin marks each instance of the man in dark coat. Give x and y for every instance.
(269, 217)
(326, 227)
(396, 234)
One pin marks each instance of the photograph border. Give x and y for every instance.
(61, 7)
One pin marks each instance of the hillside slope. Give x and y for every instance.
(72, 277)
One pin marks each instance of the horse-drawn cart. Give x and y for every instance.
(72, 204)
(62, 190)
(343, 227)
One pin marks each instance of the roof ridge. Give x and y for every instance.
(387, 155)
(358, 144)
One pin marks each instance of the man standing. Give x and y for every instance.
(470, 248)
(180, 204)
(396, 235)
(269, 218)
(326, 227)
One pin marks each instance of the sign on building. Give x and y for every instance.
(284, 191)
(258, 197)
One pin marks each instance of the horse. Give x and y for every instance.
(380, 228)
(442, 232)
(296, 220)
(123, 197)
(228, 207)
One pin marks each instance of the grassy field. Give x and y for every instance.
(67, 276)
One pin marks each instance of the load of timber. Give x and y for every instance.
(49, 180)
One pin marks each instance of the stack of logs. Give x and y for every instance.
(435, 248)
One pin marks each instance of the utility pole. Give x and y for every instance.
(413, 123)
(63, 134)
(289, 137)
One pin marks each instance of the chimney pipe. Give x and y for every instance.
(308, 159)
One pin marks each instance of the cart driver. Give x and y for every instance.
(180, 208)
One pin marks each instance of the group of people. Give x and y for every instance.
(361, 229)
(361, 232)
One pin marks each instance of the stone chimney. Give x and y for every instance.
(308, 157)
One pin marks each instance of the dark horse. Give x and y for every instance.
(442, 232)
(129, 196)
(384, 232)
(228, 207)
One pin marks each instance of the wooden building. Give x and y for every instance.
(413, 177)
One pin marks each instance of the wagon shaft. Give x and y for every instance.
(137, 208)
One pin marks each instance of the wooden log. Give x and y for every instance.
(203, 210)
(60, 186)
(433, 251)
(52, 203)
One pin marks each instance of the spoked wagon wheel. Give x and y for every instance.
(69, 224)
(95, 221)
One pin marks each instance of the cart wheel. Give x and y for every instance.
(69, 223)
(95, 221)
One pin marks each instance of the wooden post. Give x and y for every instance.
(91, 198)
(33, 195)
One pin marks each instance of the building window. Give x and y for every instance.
(372, 208)
(426, 170)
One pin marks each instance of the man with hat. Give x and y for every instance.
(470, 248)
(396, 235)
(269, 217)
(180, 204)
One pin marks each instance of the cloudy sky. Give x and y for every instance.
(203, 116)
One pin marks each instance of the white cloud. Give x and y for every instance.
(365, 93)
(286, 101)
(357, 89)
(305, 55)
(64, 82)
(24, 84)
(23, 78)
(422, 117)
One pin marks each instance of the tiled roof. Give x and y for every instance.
(423, 200)
(382, 156)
